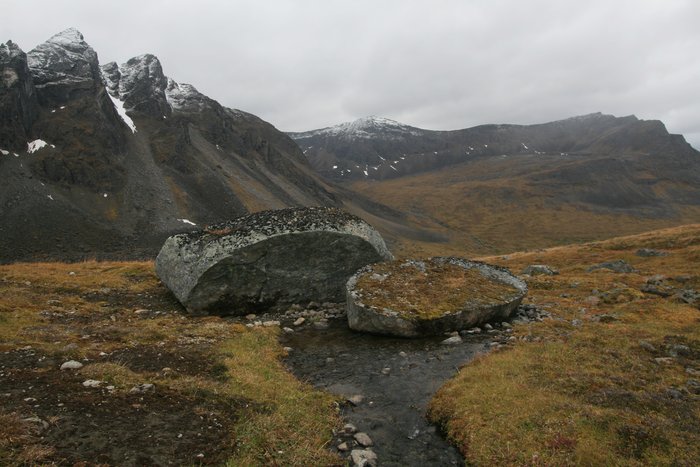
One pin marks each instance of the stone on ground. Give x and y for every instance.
(268, 260)
(363, 457)
(431, 297)
(620, 266)
(363, 439)
(71, 365)
(540, 269)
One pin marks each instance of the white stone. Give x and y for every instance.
(363, 457)
(71, 365)
(363, 438)
(452, 340)
(92, 383)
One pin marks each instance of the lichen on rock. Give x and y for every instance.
(413, 298)
(268, 260)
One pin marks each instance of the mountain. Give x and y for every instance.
(378, 148)
(98, 159)
(496, 188)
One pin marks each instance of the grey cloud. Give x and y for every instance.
(442, 65)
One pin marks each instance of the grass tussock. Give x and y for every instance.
(295, 429)
(580, 390)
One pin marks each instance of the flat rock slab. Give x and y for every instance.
(268, 260)
(410, 298)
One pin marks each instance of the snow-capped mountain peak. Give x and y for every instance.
(64, 64)
(183, 96)
(141, 85)
(10, 50)
(66, 46)
(363, 128)
(68, 37)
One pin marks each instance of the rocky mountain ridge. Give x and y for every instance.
(378, 148)
(112, 159)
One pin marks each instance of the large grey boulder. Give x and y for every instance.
(418, 298)
(268, 260)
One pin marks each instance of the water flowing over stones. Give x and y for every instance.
(268, 260)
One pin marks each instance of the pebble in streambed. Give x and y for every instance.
(387, 383)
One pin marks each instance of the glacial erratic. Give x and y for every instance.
(411, 298)
(268, 260)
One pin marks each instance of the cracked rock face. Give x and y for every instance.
(268, 260)
(420, 298)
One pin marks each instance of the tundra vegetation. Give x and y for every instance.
(610, 379)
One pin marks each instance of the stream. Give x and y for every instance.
(396, 378)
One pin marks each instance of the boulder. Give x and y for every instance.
(619, 266)
(442, 294)
(363, 458)
(540, 269)
(649, 252)
(268, 260)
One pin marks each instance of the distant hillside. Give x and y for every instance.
(378, 148)
(497, 188)
(500, 204)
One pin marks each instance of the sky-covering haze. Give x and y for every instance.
(440, 64)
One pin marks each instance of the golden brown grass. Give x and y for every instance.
(486, 208)
(579, 391)
(17, 442)
(297, 429)
(428, 292)
(80, 310)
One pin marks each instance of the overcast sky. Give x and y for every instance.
(437, 64)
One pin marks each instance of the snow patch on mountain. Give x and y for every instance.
(119, 107)
(34, 146)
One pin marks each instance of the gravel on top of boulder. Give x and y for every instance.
(268, 260)
(416, 298)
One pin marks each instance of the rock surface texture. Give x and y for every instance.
(268, 260)
(476, 293)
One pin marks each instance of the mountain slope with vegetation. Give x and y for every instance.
(497, 205)
(109, 160)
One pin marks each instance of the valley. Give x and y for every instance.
(101, 163)
(497, 205)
